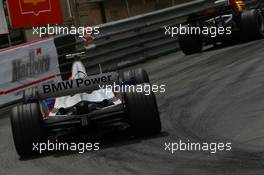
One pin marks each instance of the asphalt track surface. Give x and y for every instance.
(217, 95)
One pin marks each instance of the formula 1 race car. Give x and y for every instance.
(80, 104)
(242, 23)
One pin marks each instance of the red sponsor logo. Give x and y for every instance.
(30, 13)
(34, 6)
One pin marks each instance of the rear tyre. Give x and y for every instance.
(190, 43)
(252, 25)
(142, 113)
(26, 122)
(137, 76)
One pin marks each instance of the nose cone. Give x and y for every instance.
(78, 70)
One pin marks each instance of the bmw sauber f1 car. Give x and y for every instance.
(80, 104)
(244, 23)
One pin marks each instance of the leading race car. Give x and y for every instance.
(81, 104)
(242, 22)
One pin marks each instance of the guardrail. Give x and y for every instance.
(126, 42)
